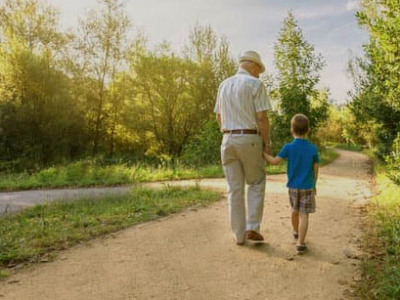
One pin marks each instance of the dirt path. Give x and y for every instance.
(192, 255)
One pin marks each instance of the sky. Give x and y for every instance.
(330, 25)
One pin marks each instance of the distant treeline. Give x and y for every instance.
(100, 90)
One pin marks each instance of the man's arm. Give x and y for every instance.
(263, 126)
(219, 121)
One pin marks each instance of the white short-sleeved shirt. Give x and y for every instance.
(239, 98)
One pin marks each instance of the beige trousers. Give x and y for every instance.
(242, 161)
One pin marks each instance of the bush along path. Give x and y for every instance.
(191, 255)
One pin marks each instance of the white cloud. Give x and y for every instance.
(352, 5)
(318, 12)
(326, 11)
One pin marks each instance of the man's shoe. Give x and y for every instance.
(254, 236)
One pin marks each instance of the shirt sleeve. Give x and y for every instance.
(217, 109)
(261, 101)
(284, 152)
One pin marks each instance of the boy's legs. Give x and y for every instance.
(303, 228)
(302, 203)
(295, 222)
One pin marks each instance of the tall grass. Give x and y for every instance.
(381, 273)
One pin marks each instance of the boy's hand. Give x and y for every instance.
(272, 160)
(315, 191)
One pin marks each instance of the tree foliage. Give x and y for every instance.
(298, 68)
(37, 115)
(98, 89)
(376, 96)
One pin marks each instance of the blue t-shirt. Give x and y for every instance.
(301, 156)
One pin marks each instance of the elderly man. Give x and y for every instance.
(241, 110)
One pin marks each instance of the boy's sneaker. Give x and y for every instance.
(301, 249)
(295, 235)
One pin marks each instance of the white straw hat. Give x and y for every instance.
(252, 56)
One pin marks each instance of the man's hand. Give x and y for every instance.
(267, 148)
(267, 156)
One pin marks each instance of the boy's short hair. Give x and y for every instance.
(300, 124)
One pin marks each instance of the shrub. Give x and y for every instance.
(204, 148)
(393, 161)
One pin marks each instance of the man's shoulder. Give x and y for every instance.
(243, 77)
(227, 81)
(251, 79)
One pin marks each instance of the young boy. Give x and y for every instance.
(302, 171)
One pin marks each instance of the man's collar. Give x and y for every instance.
(242, 71)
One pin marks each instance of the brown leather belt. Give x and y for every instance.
(241, 131)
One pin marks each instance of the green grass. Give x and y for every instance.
(44, 229)
(327, 156)
(4, 274)
(87, 173)
(381, 273)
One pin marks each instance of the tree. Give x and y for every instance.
(376, 93)
(38, 120)
(212, 55)
(33, 24)
(174, 93)
(381, 19)
(298, 70)
(101, 43)
(165, 100)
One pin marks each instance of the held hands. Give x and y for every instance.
(266, 156)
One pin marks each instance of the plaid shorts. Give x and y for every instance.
(302, 201)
